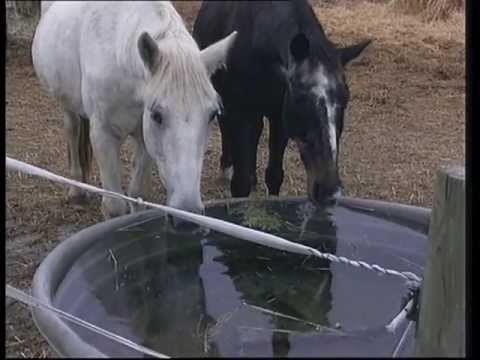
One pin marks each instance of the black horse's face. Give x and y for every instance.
(315, 101)
(313, 110)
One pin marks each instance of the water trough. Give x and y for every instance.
(203, 294)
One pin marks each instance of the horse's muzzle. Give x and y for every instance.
(182, 225)
(185, 225)
(325, 196)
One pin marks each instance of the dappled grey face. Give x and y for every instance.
(314, 108)
(315, 101)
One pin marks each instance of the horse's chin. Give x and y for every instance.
(322, 195)
(182, 225)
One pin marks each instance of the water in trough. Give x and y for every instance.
(206, 294)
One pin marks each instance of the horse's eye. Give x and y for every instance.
(214, 114)
(156, 116)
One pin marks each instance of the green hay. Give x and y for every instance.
(255, 215)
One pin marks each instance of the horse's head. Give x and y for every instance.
(180, 103)
(316, 98)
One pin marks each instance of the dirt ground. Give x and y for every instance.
(405, 119)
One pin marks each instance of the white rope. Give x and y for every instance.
(402, 340)
(400, 318)
(21, 296)
(221, 226)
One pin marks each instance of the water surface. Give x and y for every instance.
(207, 294)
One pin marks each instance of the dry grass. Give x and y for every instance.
(405, 119)
(27, 8)
(430, 10)
(427, 10)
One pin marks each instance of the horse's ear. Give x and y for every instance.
(149, 52)
(349, 53)
(215, 56)
(300, 47)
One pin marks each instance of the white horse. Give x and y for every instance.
(44, 6)
(130, 68)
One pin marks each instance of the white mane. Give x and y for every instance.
(181, 72)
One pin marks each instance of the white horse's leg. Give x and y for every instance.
(141, 176)
(106, 148)
(71, 124)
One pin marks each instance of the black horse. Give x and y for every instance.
(282, 66)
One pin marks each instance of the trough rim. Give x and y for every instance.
(66, 343)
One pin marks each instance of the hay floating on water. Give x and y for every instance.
(256, 216)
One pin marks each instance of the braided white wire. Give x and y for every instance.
(234, 230)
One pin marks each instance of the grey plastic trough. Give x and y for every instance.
(49, 275)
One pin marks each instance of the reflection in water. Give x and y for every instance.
(290, 285)
(188, 294)
(168, 322)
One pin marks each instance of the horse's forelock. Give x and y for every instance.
(181, 73)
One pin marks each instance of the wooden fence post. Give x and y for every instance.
(441, 323)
